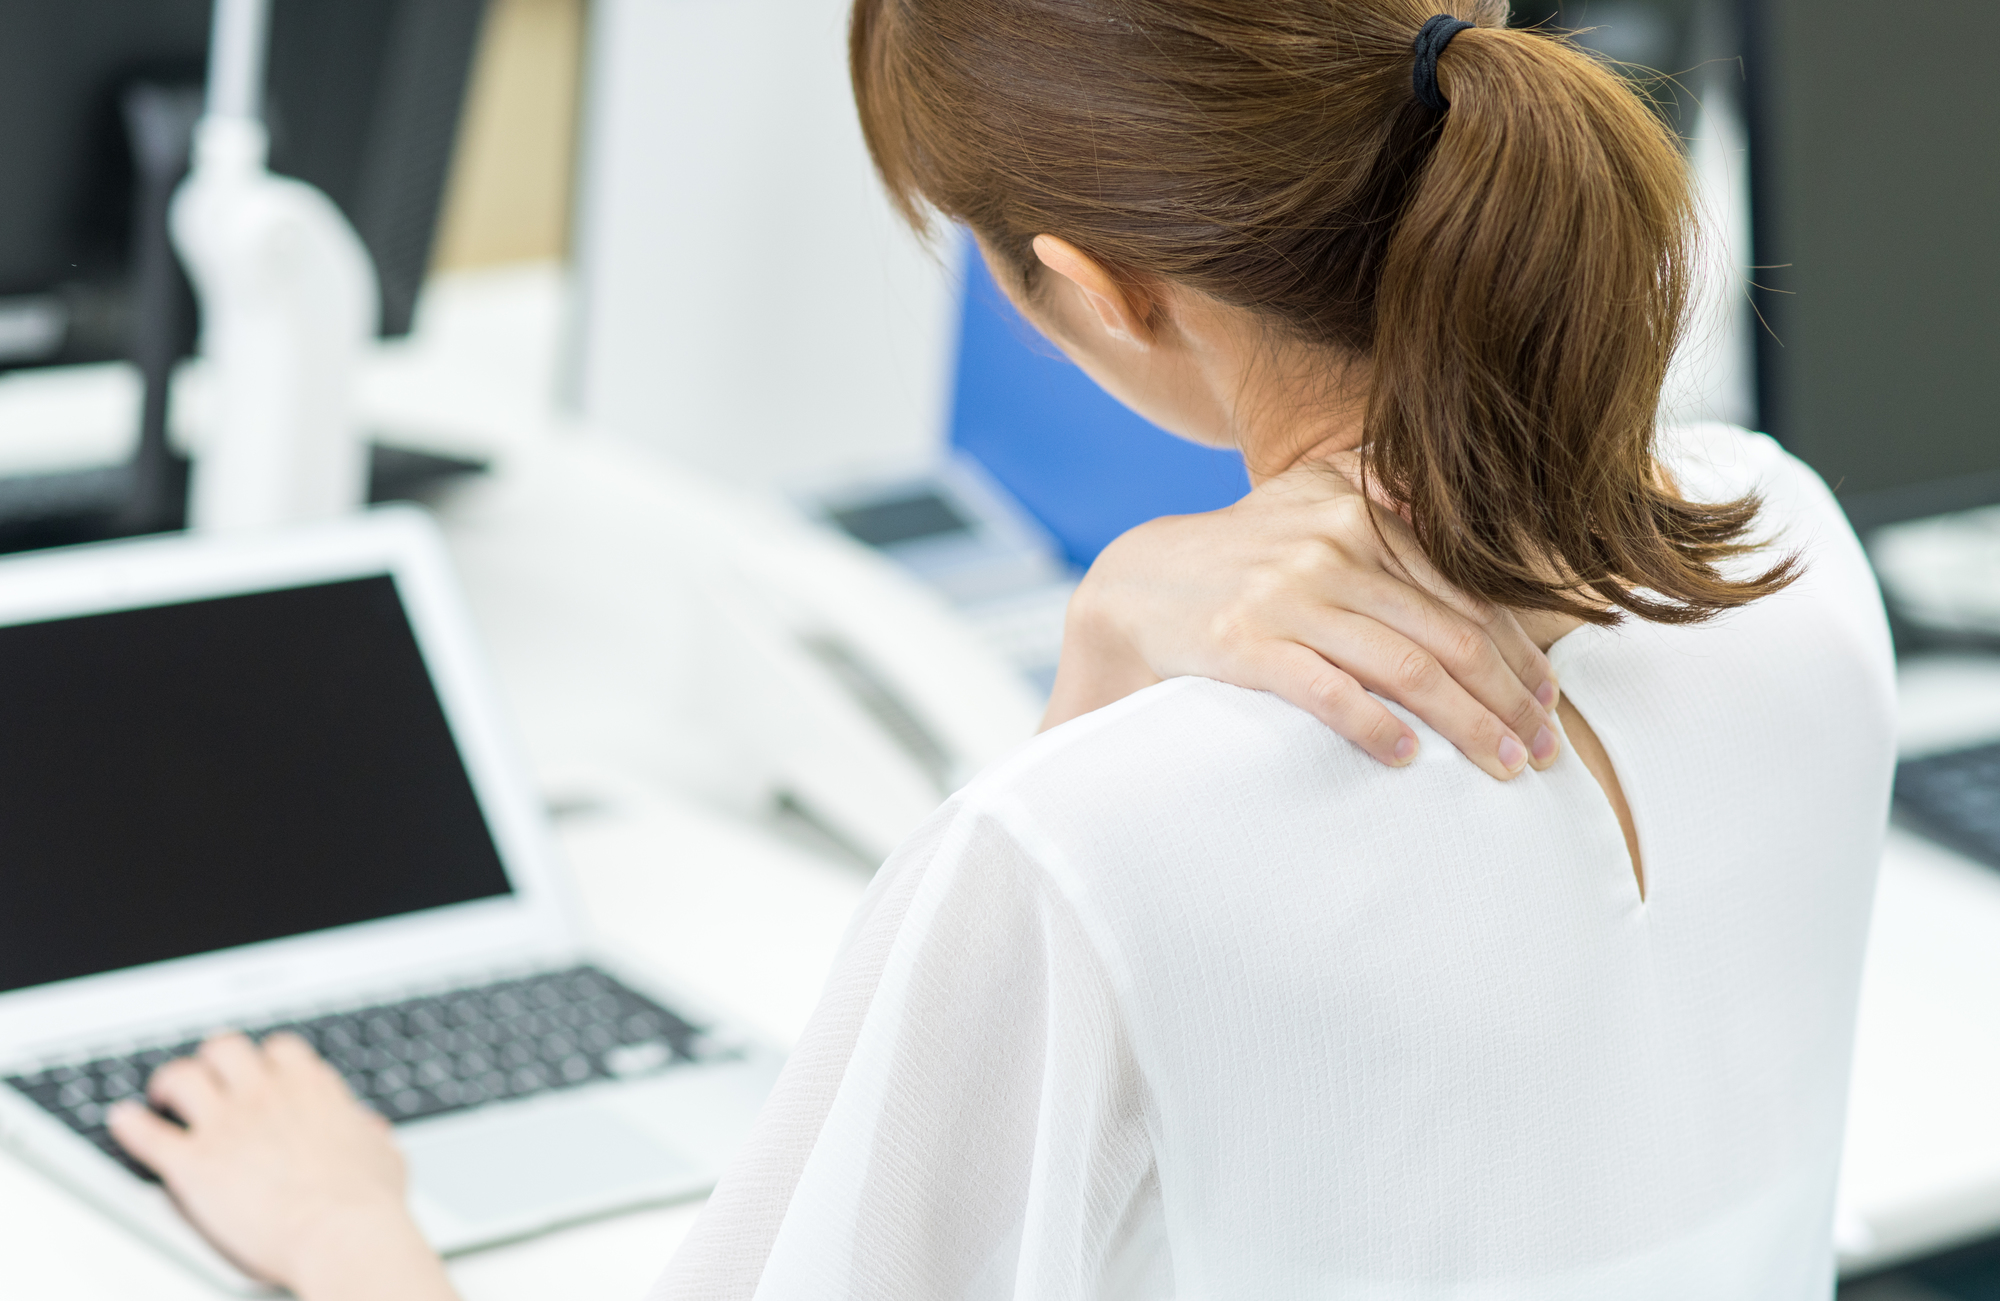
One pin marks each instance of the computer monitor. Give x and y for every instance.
(1876, 134)
(1875, 274)
(99, 97)
(363, 102)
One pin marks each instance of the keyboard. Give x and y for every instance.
(1954, 798)
(429, 1055)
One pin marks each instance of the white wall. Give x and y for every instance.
(747, 301)
(1713, 376)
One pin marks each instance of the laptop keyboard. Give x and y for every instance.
(430, 1055)
(1955, 798)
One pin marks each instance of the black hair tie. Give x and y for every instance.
(1435, 34)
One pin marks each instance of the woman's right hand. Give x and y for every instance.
(281, 1168)
(1307, 589)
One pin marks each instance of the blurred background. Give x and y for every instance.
(687, 183)
(645, 316)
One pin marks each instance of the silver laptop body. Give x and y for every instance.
(262, 781)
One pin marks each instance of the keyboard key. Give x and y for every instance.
(639, 1058)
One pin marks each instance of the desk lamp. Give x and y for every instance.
(289, 303)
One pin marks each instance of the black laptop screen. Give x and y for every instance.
(185, 778)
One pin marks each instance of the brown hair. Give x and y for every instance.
(1515, 266)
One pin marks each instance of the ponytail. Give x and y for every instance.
(1528, 305)
(1514, 263)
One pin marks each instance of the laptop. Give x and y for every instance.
(262, 782)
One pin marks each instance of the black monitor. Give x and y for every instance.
(363, 102)
(1875, 183)
(99, 97)
(1876, 130)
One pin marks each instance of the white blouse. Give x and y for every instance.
(1191, 998)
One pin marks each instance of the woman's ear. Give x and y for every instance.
(1126, 313)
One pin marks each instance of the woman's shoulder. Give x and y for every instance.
(1714, 461)
(1798, 515)
(1184, 763)
(1154, 742)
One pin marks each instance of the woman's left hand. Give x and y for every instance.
(1309, 590)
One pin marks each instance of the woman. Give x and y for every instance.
(1190, 997)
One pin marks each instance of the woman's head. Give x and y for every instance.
(1507, 276)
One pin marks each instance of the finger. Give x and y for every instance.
(289, 1053)
(1391, 548)
(293, 1059)
(1299, 675)
(234, 1060)
(1526, 661)
(1403, 591)
(1529, 662)
(1522, 689)
(188, 1088)
(155, 1142)
(1405, 560)
(1397, 554)
(1384, 661)
(1470, 652)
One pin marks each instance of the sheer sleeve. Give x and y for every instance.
(963, 1116)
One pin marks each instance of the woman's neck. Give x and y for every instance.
(1276, 432)
(1334, 442)
(1545, 627)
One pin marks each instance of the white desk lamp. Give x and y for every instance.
(288, 301)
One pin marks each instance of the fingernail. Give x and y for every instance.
(1546, 694)
(1544, 745)
(1512, 756)
(1406, 748)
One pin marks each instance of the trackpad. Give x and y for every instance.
(515, 1168)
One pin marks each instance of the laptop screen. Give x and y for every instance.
(185, 778)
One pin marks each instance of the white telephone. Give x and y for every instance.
(708, 639)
